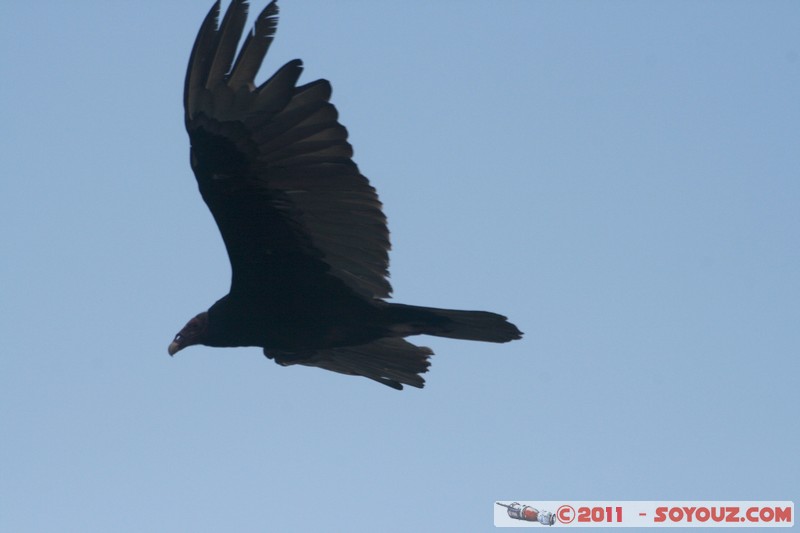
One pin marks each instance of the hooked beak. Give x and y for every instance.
(174, 347)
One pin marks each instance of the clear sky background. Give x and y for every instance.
(621, 179)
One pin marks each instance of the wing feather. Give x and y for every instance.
(394, 362)
(254, 49)
(274, 94)
(227, 40)
(197, 73)
(274, 165)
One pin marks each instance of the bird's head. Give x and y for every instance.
(194, 332)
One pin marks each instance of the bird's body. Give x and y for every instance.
(295, 321)
(303, 229)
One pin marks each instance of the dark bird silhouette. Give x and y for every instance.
(304, 230)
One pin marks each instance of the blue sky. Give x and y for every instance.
(620, 178)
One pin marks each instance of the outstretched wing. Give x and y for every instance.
(393, 362)
(274, 166)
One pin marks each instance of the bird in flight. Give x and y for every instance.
(304, 230)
